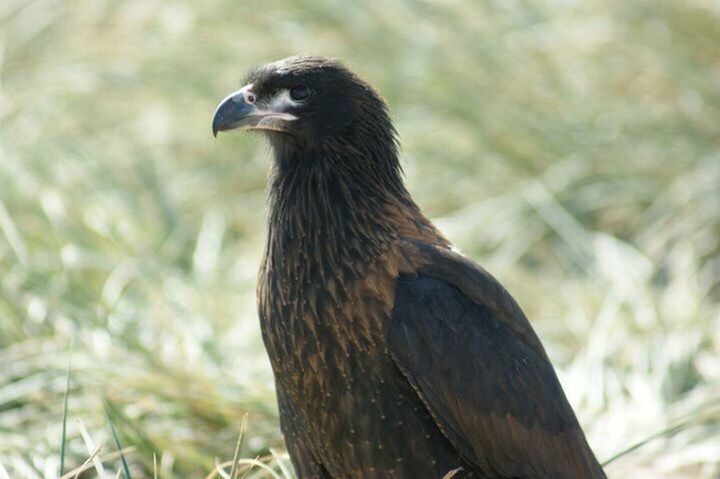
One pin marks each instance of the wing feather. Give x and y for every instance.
(475, 361)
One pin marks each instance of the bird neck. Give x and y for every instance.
(335, 195)
(331, 211)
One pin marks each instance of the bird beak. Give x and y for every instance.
(240, 110)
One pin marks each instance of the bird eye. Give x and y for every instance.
(299, 92)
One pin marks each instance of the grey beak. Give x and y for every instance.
(233, 112)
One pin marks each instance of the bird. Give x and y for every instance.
(394, 355)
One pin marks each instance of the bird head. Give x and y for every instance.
(305, 100)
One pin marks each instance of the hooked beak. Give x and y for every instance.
(240, 110)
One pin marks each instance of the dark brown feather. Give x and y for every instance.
(375, 377)
(471, 354)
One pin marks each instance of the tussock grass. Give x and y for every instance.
(572, 148)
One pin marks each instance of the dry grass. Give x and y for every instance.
(572, 148)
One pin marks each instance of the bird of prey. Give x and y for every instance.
(394, 355)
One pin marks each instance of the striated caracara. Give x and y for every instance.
(394, 355)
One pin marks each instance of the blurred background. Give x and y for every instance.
(573, 148)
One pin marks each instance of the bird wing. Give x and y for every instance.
(475, 361)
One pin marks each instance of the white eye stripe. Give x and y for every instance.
(281, 101)
(275, 108)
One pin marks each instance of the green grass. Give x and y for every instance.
(570, 147)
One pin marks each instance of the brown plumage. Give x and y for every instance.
(394, 355)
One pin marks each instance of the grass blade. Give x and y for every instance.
(278, 456)
(238, 446)
(65, 408)
(92, 449)
(3, 472)
(665, 432)
(88, 465)
(126, 469)
(91, 459)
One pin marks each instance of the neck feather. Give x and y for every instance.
(334, 209)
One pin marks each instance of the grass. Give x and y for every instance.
(571, 148)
